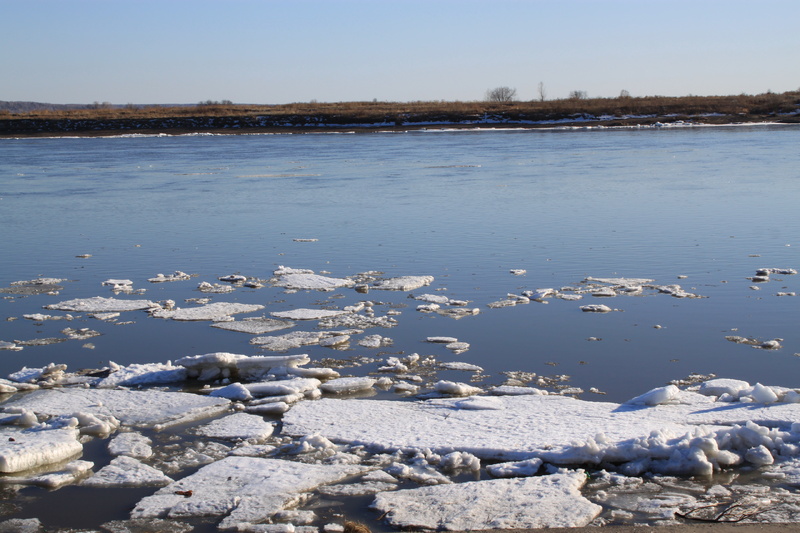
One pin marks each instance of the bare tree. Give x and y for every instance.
(624, 94)
(542, 92)
(501, 94)
(578, 95)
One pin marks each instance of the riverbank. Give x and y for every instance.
(392, 116)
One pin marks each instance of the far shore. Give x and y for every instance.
(363, 117)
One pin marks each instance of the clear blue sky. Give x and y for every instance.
(279, 51)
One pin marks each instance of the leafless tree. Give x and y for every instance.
(542, 92)
(501, 94)
(578, 95)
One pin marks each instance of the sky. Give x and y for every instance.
(283, 51)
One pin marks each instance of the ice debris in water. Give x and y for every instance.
(308, 314)
(255, 325)
(175, 276)
(311, 282)
(402, 283)
(24, 449)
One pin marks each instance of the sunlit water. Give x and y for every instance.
(699, 207)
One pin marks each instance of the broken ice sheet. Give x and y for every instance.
(213, 311)
(152, 408)
(98, 304)
(124, 471)
(24, 449)
(311, 282)
(253, 491)
(492, 504)
(238, 426)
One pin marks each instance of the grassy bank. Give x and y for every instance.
(99, 119)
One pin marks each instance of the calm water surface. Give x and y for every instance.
(711, 204)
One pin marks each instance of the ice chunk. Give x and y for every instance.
(493, 504)
(657, 396)
(150, 408)
(213, 311)
(175, 276)
(255, 326)
(720, 386)
(288, 341)
(253, 491)
(241, 426)
(311, 282)
(98, 304)
(308, 314)
(126, 471)
(147, 374)
(515, 469)
(212, 366)
(348, 385)
(71, 473)
(403, 283)
(23, 449)
(119, 285)
(456, 389)
(596, 308)
(283, 387)
(131, 444)
(234, 391)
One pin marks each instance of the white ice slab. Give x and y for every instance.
(692, 435)
(150, 408)
(23, 449)
(131, 444)
(540, 502)
(308, 314)
(403, 283)
(98, 304)
(253, 490)
(255, 326)
(212, 311)
(238, 426)
(312, 282)
(211, 366)
(146, 374)
(127, 472)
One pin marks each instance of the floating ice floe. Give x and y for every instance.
(213, 311)
(494, 504)
(255, 325)
(131, 444)
(596, 308)
(308, 314)
(40, 317)
(668, 432)
(126, 471)
(217, 365)
(348, 385)
(253, 490)
(402, 283)
(238, 426)
(175, 276)
(98, 304)
(311, 282)
(214, 288)
(288, 341)
(119, 285)
(142, 375)
(24, 449)
(146, 409)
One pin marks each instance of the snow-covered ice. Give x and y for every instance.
(24, 449)
(238, 426)
(308, 314)
(151, 408)
(98, 304)
(124, 471)
(254, 489)
(540, 502)
(311, 282)
(403, 283)
(214, 311)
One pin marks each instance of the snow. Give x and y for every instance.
(348, 385)
(145, 374)
(254, 490)
(126, 471)
(23, 449)
(98, 304)
(214, 311)
(493, 504)
(151, 408)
